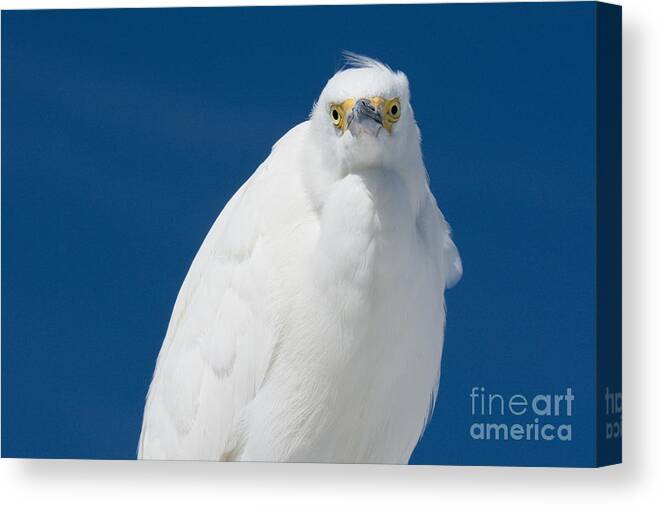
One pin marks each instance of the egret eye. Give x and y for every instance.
(336, 115)
(394, 109)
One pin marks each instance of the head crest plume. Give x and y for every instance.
(356, 61)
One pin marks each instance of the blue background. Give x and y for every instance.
(124, 133)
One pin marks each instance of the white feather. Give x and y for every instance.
(310, 325)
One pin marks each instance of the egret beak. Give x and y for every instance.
(365, 117)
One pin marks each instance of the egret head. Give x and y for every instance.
(363, 117)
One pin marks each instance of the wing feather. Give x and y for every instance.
(219, 341)
(437, 233)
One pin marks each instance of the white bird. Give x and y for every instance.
(310, 324)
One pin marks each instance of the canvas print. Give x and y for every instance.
(386, 234)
